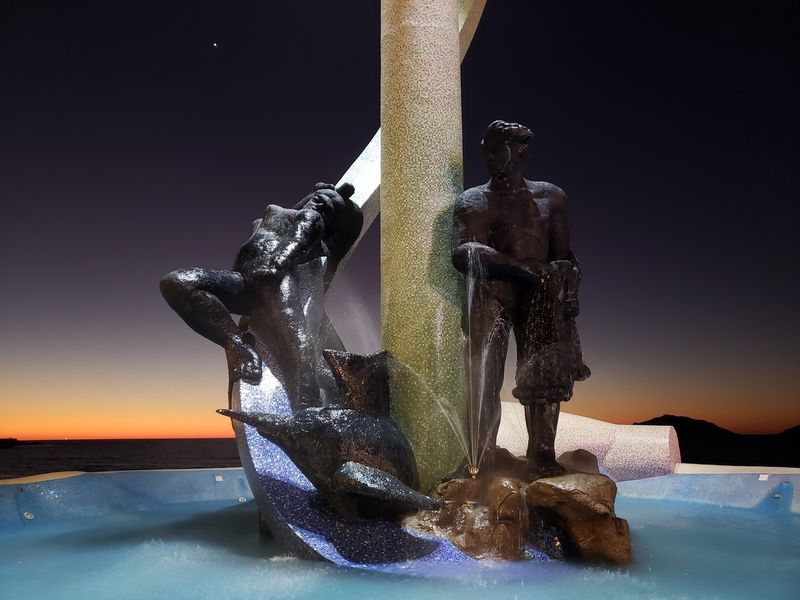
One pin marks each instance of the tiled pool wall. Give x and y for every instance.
(36, 501)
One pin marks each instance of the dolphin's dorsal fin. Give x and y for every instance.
(363, 380)
(357, 478)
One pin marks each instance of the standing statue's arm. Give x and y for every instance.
(475, 256)
(471, 250)
(559, 231)
(562, 258)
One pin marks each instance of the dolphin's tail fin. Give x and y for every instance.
(273, 427)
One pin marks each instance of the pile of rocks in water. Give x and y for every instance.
(503, 516)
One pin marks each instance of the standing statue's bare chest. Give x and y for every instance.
(519, 225)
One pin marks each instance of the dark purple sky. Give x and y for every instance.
(131, 145)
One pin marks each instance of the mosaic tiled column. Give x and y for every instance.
(421, 174)
(365, 172)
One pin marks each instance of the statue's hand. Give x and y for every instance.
(557, 266)
(567, 275)
(533, 272)
(530, 274)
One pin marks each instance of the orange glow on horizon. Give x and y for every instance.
(178, 400)
(109, 430)
(69, 408)
(201, 421)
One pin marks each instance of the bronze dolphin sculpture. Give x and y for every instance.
(353, 453)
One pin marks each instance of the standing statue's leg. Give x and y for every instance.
(542, 422)
(205, 299)
(542, 379)
(488, 344)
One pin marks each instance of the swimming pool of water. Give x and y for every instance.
(145, 545)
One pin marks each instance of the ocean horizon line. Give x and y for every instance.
(116, 439)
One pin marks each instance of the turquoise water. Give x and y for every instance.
(210, 549)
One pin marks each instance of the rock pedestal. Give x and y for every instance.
(502, 517)
(581, 506)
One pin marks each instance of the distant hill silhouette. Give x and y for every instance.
(706, 443)
(793, 433)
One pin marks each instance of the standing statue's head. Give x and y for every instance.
(342, 217)
(505, 146)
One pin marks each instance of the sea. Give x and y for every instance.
(50, 456)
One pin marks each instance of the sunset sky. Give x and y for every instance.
(136, 138)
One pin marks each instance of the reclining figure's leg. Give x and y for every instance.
(205, 299)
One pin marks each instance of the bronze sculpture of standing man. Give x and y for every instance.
(511, 236)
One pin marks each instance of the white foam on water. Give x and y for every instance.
(681, 550)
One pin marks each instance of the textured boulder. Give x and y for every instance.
(453, 497)
(508, 465)
(508, 516)
(477, 537)
(504, 500)
(579, 461)
(582, 507)
(483, 518)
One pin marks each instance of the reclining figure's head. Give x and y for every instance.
(342, 217)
